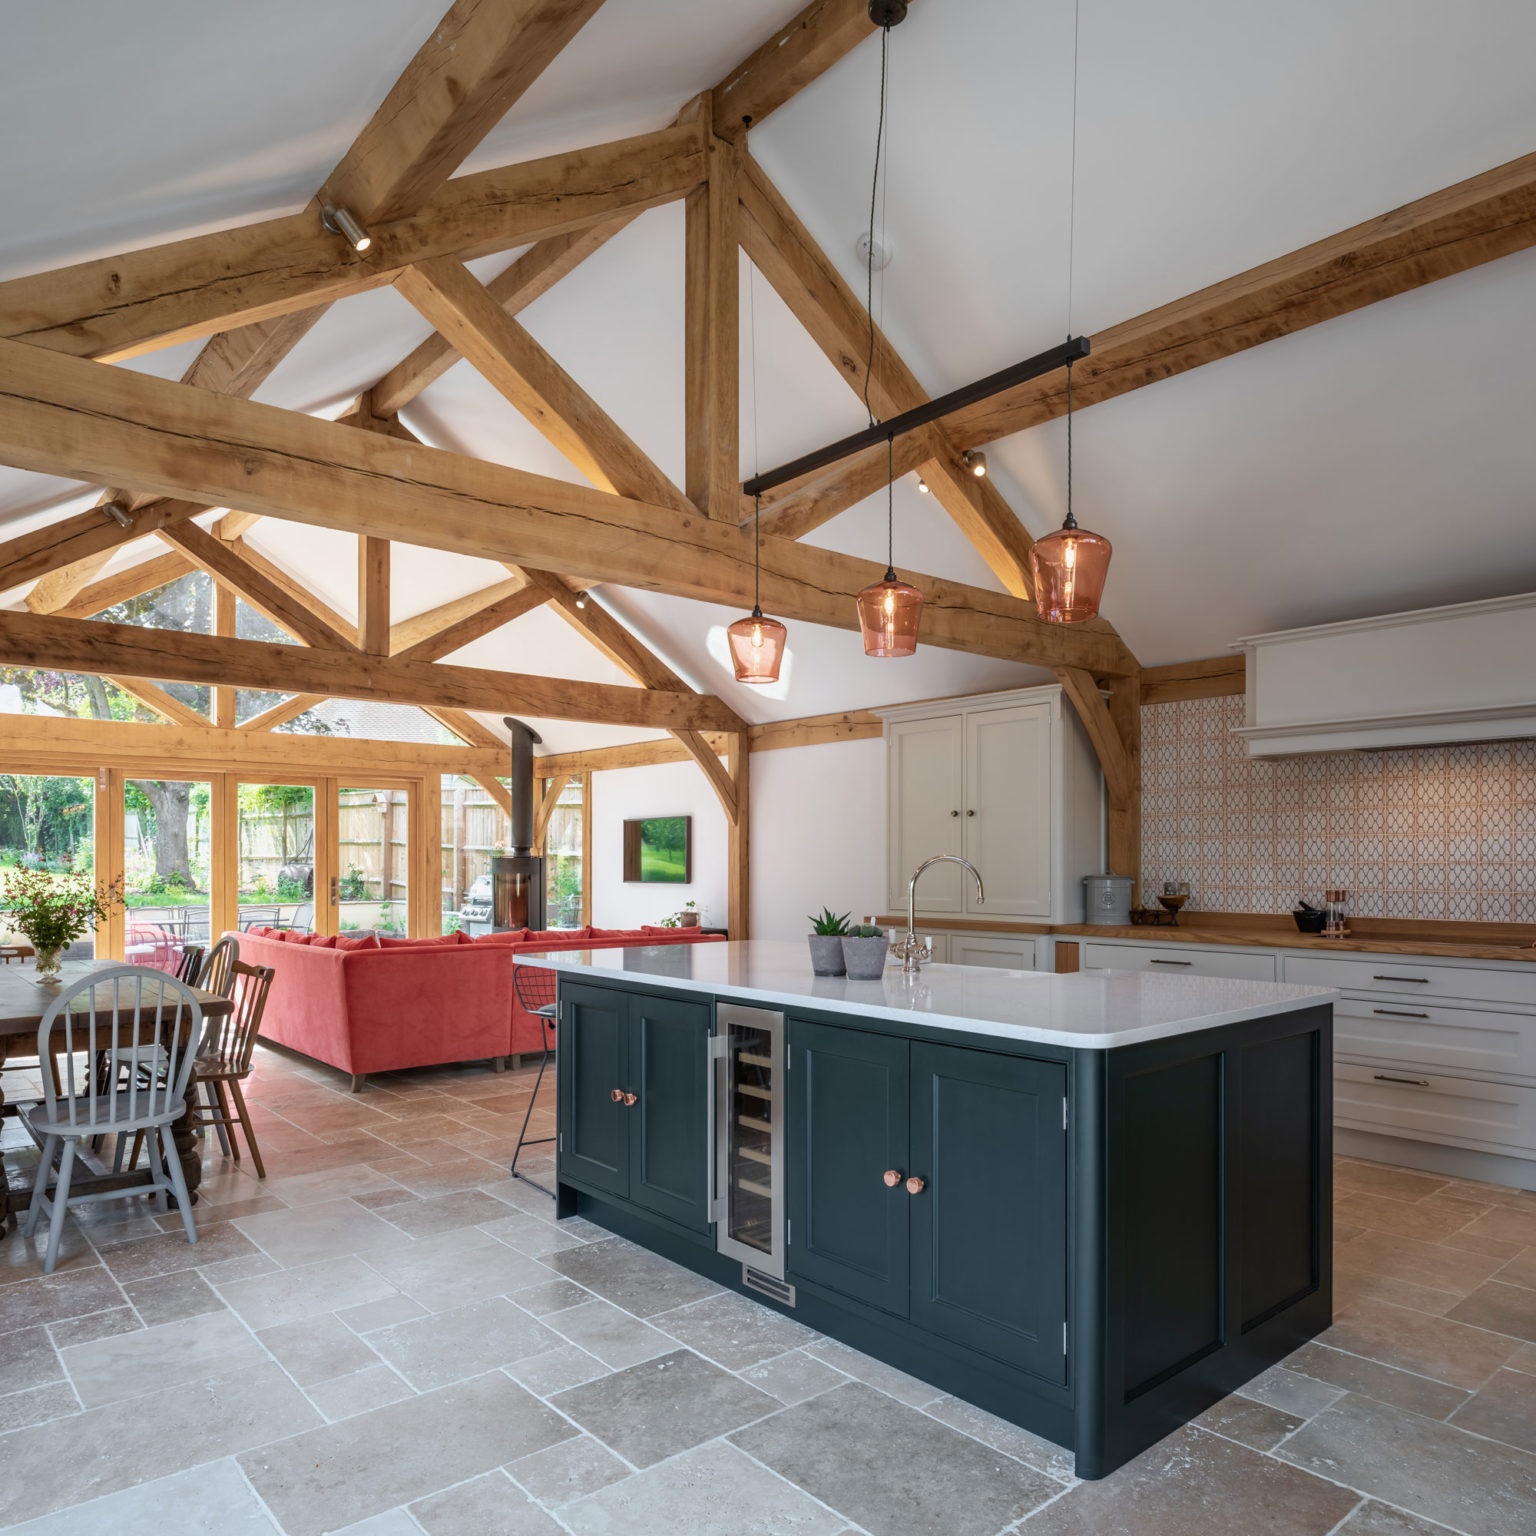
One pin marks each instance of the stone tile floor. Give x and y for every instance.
(388, 1336)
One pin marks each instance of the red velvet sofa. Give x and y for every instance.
(382, 1004)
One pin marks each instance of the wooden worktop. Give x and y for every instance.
(1379, 936)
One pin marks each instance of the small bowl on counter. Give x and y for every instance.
(1309, 919)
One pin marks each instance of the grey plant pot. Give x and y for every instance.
(826, 954)
(865, 959)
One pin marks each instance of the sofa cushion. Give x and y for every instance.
(363, 941)
(507, 936)
(389, 942)
(322, 941)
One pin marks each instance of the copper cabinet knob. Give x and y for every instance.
(915, 1185)
(892, 1177)
(629, 1099)
(616, 1095)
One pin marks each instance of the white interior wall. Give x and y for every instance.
(667, 789)
(818, 838)
(818, 834)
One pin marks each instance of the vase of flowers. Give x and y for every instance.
(52, 911)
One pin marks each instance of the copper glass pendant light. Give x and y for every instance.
(890, 609)
(1069, 565)
(757, 642)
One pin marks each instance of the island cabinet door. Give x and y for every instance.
(594, 1063)
(989, 1225)
(669, 1132)
(847, 1127)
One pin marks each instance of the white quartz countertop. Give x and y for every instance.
(1092, 1010)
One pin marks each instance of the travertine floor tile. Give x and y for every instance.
(450, 1268)
(343, 1473)
(1503, 1308)
(343, 1397)
(54, 1298)
(317, 1349)
(170, 1251)
(1413, 1341)
(1197, 1484)
(443, 1347)
(291, 1295)
(895, 1471)
(733, 1331)
(194, 1423)
(28, 1359)
(630, 1277)
(1387, 1384)
(308, 1233)
(1249, 1422)
(169, 1298)
(604, 1330)
(1471, 1484)
(1503, 1408)
(491, 1505)
(130, 1364)
(713, 1491)
(568, 1471)
(36, 1405)
(793, 1377)
(208, 1499)
(660, 1407)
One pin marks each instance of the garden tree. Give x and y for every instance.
(45, 814)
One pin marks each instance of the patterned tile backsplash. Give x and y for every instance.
(1425, 832)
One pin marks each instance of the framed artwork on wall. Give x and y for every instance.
(659, 850)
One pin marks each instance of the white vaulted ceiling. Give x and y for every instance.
(1378, 461)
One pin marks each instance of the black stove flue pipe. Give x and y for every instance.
(524, 739)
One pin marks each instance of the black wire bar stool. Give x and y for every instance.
(536, 991)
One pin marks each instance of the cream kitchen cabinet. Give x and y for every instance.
(1008, 781)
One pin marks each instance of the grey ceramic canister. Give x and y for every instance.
(865, 959)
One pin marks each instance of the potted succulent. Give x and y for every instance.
(826, 940)
(865, 949)
(52, 911)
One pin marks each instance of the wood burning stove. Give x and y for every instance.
(517, 895)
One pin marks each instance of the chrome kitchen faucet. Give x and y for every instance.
(912, 953)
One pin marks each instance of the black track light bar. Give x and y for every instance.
(919, 416)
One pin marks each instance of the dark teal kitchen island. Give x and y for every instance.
(1091, 1204)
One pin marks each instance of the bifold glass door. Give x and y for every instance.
(749, 1187)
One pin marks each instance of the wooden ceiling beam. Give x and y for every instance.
(464, 311)
(443, 630)
(373, 572)
(466, 727)
(141, 745)
(230, 566)
(477, 63)
(60, 414)
(832, 314)
(31, 555)
(787, 62)
(711, 334)
(533, 274)
(153, 697)
(91, 646)
(281, 714)
(1451, 231)
(147, 576)
(120, 306)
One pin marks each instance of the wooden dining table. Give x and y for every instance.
(23, 1002)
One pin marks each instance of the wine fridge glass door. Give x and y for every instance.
(749, 1172)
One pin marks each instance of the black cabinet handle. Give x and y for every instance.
(1170, 962)
(970, 813)
(954, 813)
(1398, 1013)
(1418, 981)
(1412, 1082)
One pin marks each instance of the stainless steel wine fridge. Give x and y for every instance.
(748, 1202)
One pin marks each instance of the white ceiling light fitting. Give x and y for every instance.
(922, 485)
(341, 222)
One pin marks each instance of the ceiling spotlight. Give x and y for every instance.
(118, 513)
(581, 599)
(922, 485)
(340, 222)
(975, 461)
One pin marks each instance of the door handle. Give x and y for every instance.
(629, 1100)
(954, 813)
(892, 1177)
(1170, 962)
(617, 1095)
(1412, 1082)
(915, 1185)
(970, 813)
(1398, 1013)
(1418, 981)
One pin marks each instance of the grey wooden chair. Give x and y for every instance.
(143, 1018)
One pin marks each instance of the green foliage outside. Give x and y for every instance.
(354, 884)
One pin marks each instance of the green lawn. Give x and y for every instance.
(662, 864)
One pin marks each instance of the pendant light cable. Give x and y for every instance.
(1072, 177)
(757, 499)
(1071, 521)
(890, 508)
(874, 197)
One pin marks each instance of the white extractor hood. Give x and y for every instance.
(1461, 673)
